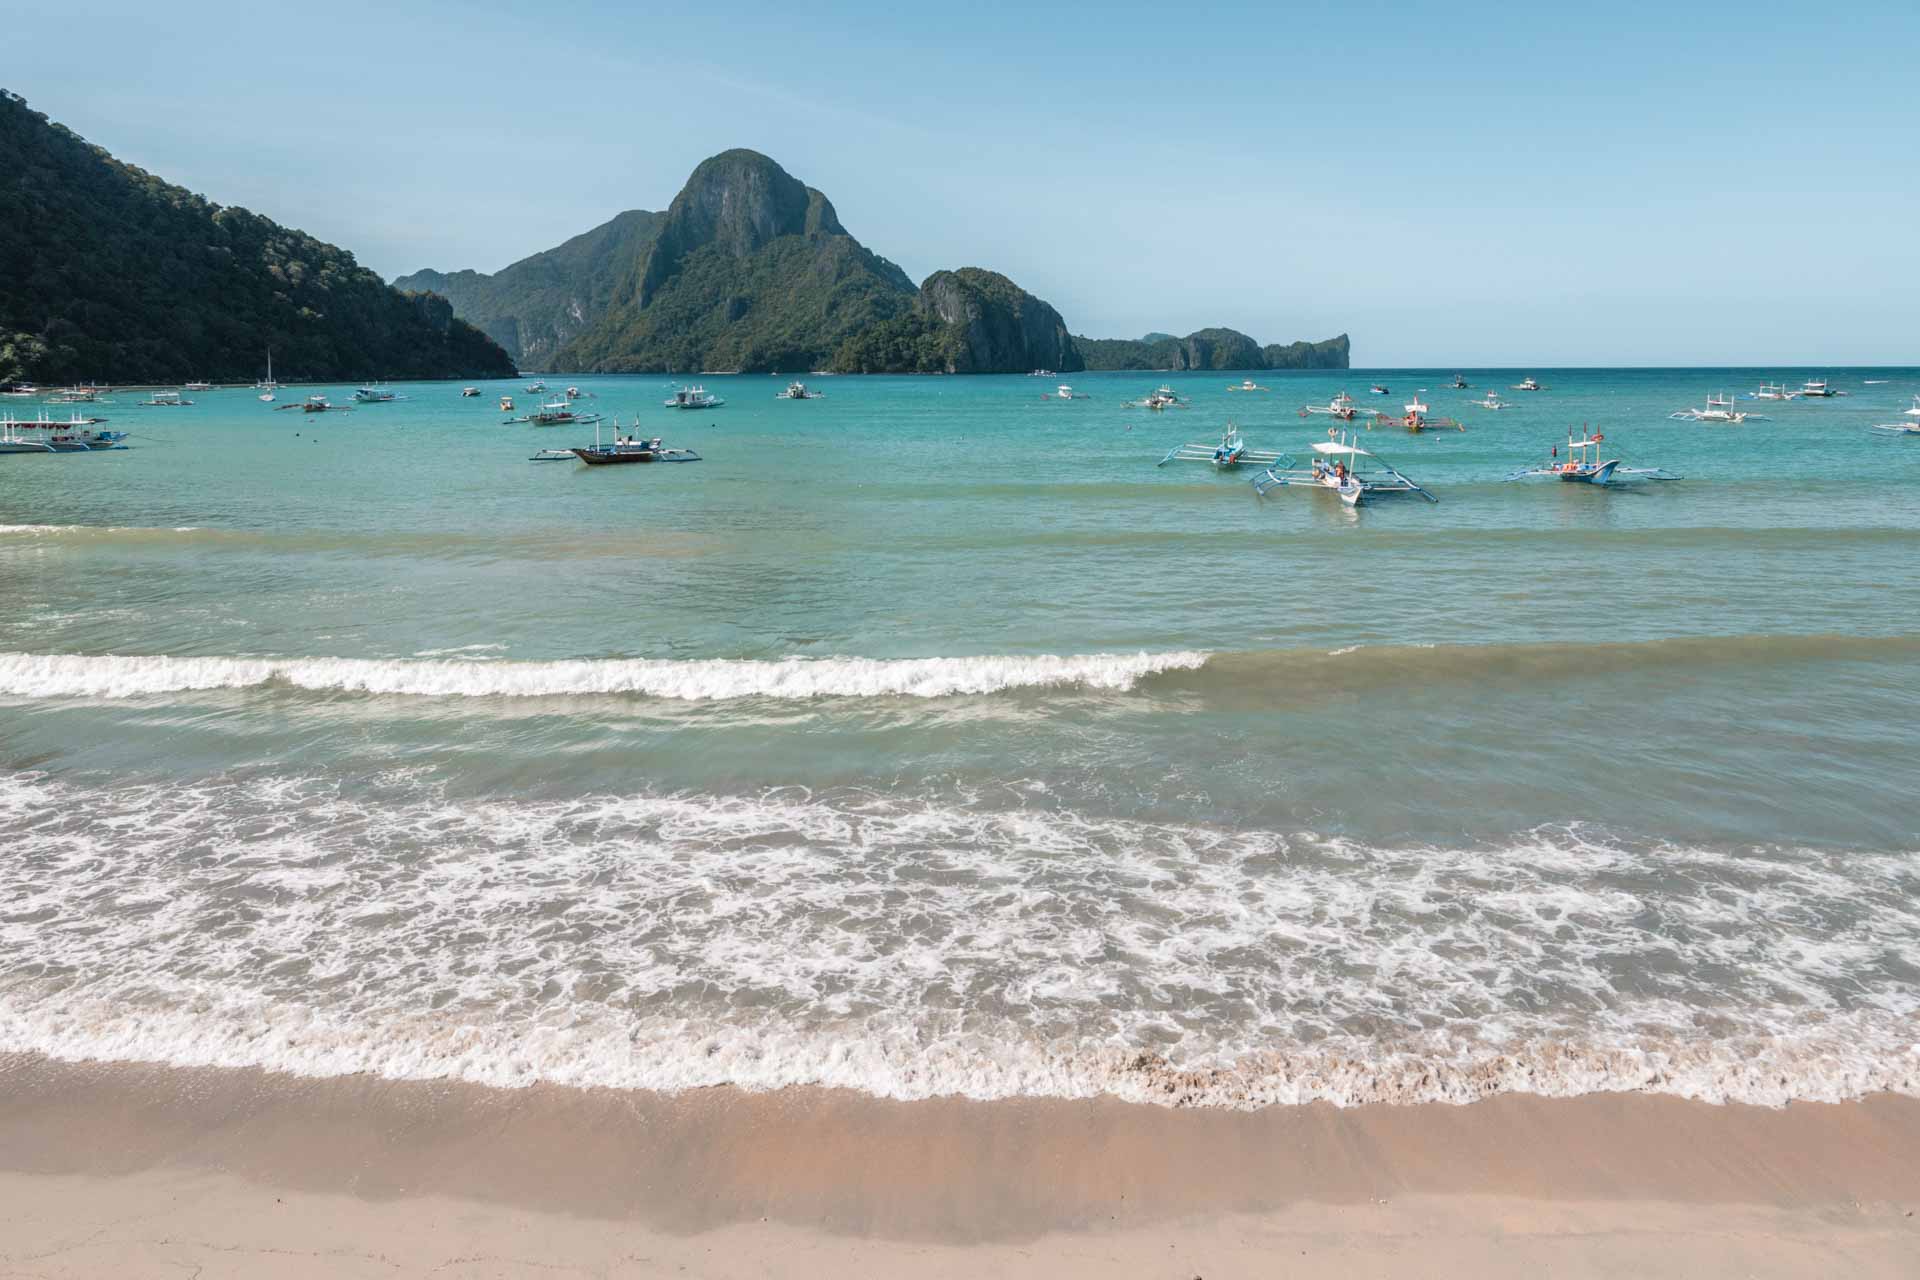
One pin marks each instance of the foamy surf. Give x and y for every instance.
(28, 675)
(913, 949)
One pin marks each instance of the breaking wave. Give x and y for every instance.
(910, 949)
(27, 675)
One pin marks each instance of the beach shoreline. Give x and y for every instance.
(152, 1164)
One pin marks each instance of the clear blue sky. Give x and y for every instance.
(1459, 183)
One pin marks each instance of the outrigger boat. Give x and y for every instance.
(1162, 398)
(376, 395)
(1526, 384)
(316, 404)
(1719, 409)
(626, 449)
(1584, 465)
(1065, 392)
(1459, 383)
(1248, 385)
(21, 391)
(535, 387)
(693, 398)
(798, 391)
(555, 413)
(1416, 420)
(1230, 452)
(75, 435)
(196, 386)
(164, 400)
(1492, 401)
(1817, 389)
(1904, 428)
(1773, 391)
(1338, 467)
(1341, 407)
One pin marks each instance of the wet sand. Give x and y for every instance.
(125, 1169)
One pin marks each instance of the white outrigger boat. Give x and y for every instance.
(693, 398)
(1247, 385)
(1817, 389)
(164, 400)
(376, 395)
(1065, 392)
(1719, 409)
(1526, 384)
(1492, 401)
(315, 404)
(1584, 465)
(1162, 398)
(1341, 407)
(798, 391)
(1337, 466)
(1773, 391)
(1232, 451)
(1911, 428)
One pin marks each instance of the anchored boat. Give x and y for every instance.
(1343, 466)
(1584, 465)
(1341, 407)
(798, 391)
(1416, 420)
(1232, 451)
(693, 398)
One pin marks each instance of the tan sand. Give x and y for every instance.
(129, 1170)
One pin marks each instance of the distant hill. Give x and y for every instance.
(539, 304)
(750, 269)
(107, 272)
(1212, 349)
(965, 321)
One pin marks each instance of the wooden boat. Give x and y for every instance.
(1341, 407)
(1232, 451)
(1341, 465)
(316, 404)
(1416, 420)
(1584, 465)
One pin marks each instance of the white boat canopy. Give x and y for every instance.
(1334, 446)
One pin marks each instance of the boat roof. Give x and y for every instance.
(1334, 446)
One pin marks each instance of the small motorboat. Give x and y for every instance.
(1379, 390)
(1065, 392)
(467, 393)
(1527, 384)
(506, 404)
(1247, 385)
(1459, 383)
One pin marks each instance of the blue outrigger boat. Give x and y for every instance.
(1232, 451)
(1584, 465)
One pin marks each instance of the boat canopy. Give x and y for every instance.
(1334, 446)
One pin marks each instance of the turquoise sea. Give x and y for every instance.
(928, 738)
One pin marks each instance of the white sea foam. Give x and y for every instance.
(29, 675)
(909, 949)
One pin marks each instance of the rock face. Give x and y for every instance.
(750, 269)
(540, 303)
(995, 326)
(1221, 349)
(108, 272)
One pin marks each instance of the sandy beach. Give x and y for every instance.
(132, 1170)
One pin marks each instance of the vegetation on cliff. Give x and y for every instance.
(539, 304)
(1212, 349)
(108, 272)
(750, 269)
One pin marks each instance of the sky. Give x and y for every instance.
(1465, 184)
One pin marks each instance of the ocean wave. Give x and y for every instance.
(911, 949)
(27, 675)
